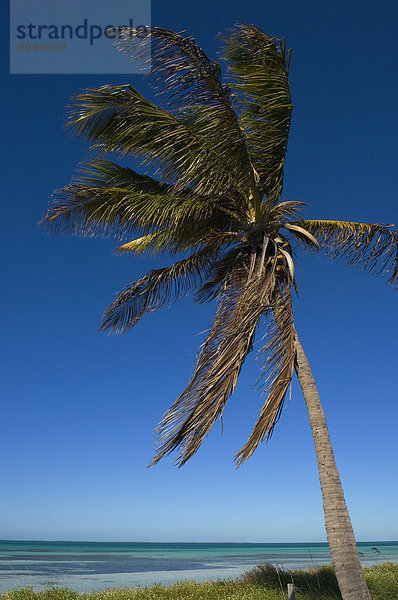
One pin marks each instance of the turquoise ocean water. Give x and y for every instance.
(87, 566)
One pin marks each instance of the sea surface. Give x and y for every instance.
(87, 566)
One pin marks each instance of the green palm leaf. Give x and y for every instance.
(119, 119)
(259, 66)
(106, 199)
(158, 241)
(190, 83)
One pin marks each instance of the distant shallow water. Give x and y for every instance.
(86, 566)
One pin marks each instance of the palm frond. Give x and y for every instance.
(100, 201)
(157, 241)
(220, 272)
(159, 287)
(191, 84)
(119, 119)
(176, 60)
(194, 413)
(287, 210)
(371, 246)
(259, 66)
(302, 235)
(277, 371)
(106, 199)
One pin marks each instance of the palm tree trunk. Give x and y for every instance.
(340, 535)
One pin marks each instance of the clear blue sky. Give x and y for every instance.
(78, 407)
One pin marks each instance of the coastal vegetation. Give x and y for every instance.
(215, 152)
(264, 582)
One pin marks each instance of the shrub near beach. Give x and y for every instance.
(264, 582)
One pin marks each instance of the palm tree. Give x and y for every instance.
(215, 200)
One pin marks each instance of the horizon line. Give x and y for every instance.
(181, 542)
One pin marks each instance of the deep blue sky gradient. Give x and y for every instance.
(78, 407)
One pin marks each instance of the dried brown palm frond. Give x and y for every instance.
(194, 413)
(220, 270)
(278, 355)
(371, 246)
(158, 287)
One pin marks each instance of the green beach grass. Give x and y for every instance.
(264, 582)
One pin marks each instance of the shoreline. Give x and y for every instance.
(85, 566)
